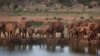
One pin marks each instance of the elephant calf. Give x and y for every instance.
(31, 31)
(42, 32)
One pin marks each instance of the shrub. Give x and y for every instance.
(37, 24)
(91, 17)
(45, 10)
(36, 9)
(18, 10)
(82, 17)
(47, 18)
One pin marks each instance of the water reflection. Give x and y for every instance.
(92, 50)
(77, 49)
(54, 48)
(49, 50)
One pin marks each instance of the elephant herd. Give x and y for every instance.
(9, 28)
(76, 30)
(19, 29)
(81, 29)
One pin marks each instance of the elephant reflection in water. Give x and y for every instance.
(53, 48)
(10, 47)
(77, 49)
(82, 49)
(92, 50)
(25, 47)
(18, 47)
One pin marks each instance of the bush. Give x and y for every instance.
(82, 17)
(36, 9)
(47, 18)
(18, 10)
(55, 18)
(91, 17)
(37, 24)
(45, 10)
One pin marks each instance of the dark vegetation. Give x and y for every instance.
(37, 23)
(21, 5)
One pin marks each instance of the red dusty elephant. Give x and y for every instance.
(11, 28)
(56, 26)
(43, 31)
(2, 28)
(23, 26)
(31, 31)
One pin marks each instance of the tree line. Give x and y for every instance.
(49, 3)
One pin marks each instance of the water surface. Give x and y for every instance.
(43, 50)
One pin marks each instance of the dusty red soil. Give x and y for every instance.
(35, 18)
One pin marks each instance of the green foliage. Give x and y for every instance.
(2, 2)
(37, 24)
(36, 9)
(81, 17)
(66, 2)
(55, 18)
(47, 18)
(91, 17)
(84, 2)
(98, 1)
(18, 10)
(45, 10)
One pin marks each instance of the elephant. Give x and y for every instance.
(2, 28)
(10, 28)
(23, 26)
(78, 29)
(56, 26)
(42, 32)
(31, 31)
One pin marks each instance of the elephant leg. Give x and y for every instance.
(30, 35)
(0, 34)
(68, 34)
(25, 35)
(96, 33)
(44, 35)
(62, 35)
(89, 36)
(47, 35)
(53, 35)
(40, 35)
(8, 35)
(4, 34)
(20, 34)
(13, 34)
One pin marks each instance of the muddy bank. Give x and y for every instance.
(50, 41)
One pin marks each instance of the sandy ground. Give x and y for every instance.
(37, 18)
